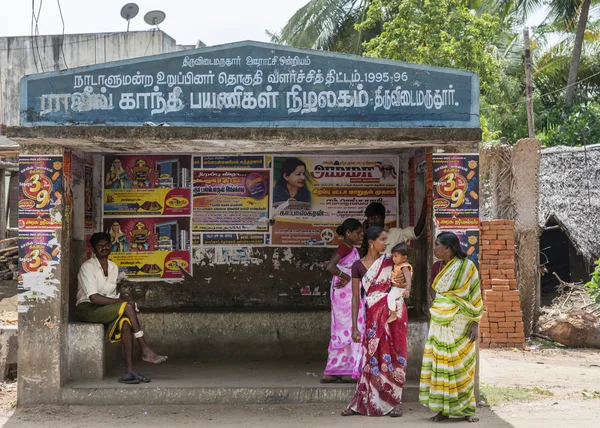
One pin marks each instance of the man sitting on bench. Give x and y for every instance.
(99, 302)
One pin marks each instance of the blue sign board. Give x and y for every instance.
(255, 85)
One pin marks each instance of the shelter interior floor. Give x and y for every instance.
(219, 374)
(188, 382)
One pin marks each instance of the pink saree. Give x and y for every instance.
(345, 356)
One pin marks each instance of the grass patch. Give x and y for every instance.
(495, 395)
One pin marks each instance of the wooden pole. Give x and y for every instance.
(528, 83)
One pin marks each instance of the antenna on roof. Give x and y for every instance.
(128, 12)
(155, 17)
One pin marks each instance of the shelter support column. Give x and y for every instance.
(43, 294)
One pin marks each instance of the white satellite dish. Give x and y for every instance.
(155, 17)
(129, 11)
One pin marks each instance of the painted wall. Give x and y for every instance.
(21, 56)
(266, 278)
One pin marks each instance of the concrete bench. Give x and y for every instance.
(90, 354)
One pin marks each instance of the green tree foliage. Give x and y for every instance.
(443, 32)
(593, 287)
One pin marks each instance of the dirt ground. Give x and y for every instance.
(8, 311)
(533, 388)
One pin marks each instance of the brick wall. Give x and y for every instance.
(502, 322)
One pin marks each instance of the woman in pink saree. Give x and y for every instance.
(344, 357)
(379, 389)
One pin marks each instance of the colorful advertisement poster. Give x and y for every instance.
(456, 191)
(89, 200)
(37, 251)
(231, 200)
(469, 243)
(40, 192)
(150, 247)
(312, 195)
(147, 185)
(229, 162)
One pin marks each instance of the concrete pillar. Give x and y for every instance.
(43, 326)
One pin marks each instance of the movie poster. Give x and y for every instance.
(231, 200)
(150, 247)
(40, 192)
(456, 191)
(312, 195)
(147, 185)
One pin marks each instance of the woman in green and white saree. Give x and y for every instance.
(448, 371)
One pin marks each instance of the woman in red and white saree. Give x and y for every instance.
(379, 389)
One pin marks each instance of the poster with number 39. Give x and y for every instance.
(40, 192)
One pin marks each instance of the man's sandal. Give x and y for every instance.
(129, 379)
(141, 377)
(334, 379)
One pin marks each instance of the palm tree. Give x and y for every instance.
(326, 25)
(566, 10)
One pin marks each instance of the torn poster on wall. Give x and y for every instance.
(39, 253)
(40, 192)
(226, 256)
(312, 195)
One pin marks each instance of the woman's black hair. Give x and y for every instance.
(97, 237)
(373, 233)
(451, 241)
(350, 224)
(288, 166)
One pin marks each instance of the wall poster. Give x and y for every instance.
(456, 191)
(150, 247)
(231, 200)
(89, 199)
(312, 195)
(147, 185)
(40, 192)
(456, 199)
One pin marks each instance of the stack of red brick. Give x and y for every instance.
(502, 322)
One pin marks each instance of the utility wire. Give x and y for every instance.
(544, 94)
(37, 33)
(62, 40)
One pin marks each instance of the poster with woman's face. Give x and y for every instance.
(312, 195)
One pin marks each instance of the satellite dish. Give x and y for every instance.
(129, 11)
(154, 17)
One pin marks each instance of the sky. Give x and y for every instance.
(212, 21)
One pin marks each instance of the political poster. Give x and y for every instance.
(312, 195)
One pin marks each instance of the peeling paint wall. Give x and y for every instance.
(17, 58)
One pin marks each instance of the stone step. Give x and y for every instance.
(188, 383)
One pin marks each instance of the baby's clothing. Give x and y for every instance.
(395, 293)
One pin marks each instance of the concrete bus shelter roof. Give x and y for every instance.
(229, 140)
